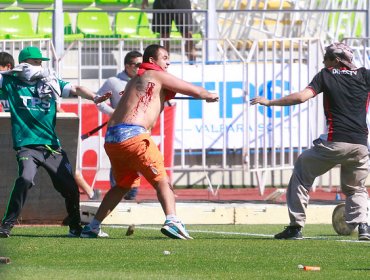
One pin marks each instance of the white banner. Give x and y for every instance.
(226, 115)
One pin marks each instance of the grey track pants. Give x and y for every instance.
(316, 161)
(56, 163)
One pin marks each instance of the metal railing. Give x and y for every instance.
(214, 142)
(230, 143)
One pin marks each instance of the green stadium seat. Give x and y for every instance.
(7, 2)
(108, 2)
(144, 29)
(175, 33)
(138, 2)
(133, 23)
(36, 2)
(78, 2)
(45, 26)
(341, 27)
(93, 23)
(17, 25)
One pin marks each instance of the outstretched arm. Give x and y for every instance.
(175, 84)
(86, 93)
(291, 99)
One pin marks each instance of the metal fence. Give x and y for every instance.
(231, 143)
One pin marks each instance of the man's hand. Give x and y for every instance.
(212, 98)
(260, 100)
(101, 98)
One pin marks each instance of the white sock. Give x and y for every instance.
(95, 224)
(171, 217)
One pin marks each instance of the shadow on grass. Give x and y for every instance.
(233, 238)
(77, 238)
(42, 236)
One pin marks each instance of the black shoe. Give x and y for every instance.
(290, 232)
(363, 232)
(75, 232)
(97, 195)
(5, 230)
(131, 195)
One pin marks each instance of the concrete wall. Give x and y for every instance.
(44, 203)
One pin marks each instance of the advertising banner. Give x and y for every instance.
(198, 122)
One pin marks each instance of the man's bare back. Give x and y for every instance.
(145, 95)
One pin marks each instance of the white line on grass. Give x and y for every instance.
(239, 233)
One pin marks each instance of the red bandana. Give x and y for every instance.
(149, 66)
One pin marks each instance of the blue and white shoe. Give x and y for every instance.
(88, 232)
(175, 230)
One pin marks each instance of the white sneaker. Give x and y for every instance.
(102, 234)
(175, 230)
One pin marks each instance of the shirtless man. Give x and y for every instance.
(130, 147)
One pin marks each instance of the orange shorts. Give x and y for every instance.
(138, 154)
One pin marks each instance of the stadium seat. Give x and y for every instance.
(132, 23)
(66, 2)
(175, 33)
(271, 5)
(17, 25)
(275, 5)
(45, 26)
(339, 23)
(108, 2)
(36, 2)
(93, 23)
(6, 2)
(78, 2)
(138, 2)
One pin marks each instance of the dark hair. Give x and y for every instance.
(6, 58)
(130, 55)
(152, 51)
(329, 56)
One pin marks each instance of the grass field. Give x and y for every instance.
(217, 252)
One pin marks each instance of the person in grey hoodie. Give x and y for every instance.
(117, 85)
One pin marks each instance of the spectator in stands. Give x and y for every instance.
(128, 139)
(6, 61)
(117, 86)
(31, 93)
(162, 22)
(345, 88)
